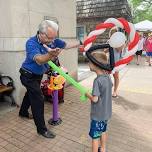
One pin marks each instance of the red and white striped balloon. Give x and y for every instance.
(128, 27)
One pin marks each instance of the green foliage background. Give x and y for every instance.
(142, 10)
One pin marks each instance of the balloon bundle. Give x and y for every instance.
(82, 89)
(117, 39)
(56, 82)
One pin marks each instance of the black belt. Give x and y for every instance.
(29, 74)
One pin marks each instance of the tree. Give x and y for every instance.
(141, 10)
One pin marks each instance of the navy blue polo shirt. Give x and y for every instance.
(33, 48)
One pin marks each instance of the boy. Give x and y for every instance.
(101, 103)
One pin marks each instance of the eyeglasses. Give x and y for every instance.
(48, 38)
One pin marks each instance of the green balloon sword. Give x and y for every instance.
(82, 89)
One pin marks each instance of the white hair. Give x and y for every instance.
(43, 26)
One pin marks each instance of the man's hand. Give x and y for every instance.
(53, 52)
(44, 58)
(81, 48)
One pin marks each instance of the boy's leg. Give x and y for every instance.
(95, 135)
(95, 144)
(103, 140)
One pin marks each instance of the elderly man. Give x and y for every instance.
(39, 50)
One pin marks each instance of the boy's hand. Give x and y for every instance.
(91, 97)
(87, 94)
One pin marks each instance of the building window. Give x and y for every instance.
(81, 32)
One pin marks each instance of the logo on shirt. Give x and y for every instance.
(42, 50)
(52, 45)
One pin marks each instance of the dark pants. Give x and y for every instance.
(34, 98)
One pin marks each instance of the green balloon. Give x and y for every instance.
(82, 89)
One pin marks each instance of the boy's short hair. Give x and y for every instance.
(100, 57)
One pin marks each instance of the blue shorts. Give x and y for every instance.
(97, 128)
(149, 53)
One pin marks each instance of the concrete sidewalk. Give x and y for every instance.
(130, 129)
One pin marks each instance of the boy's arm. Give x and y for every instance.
(91, 97)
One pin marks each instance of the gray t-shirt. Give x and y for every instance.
(102, 109)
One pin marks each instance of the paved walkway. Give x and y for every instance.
(130, 129)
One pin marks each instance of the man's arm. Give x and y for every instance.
(52, 53)
(73, 45)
